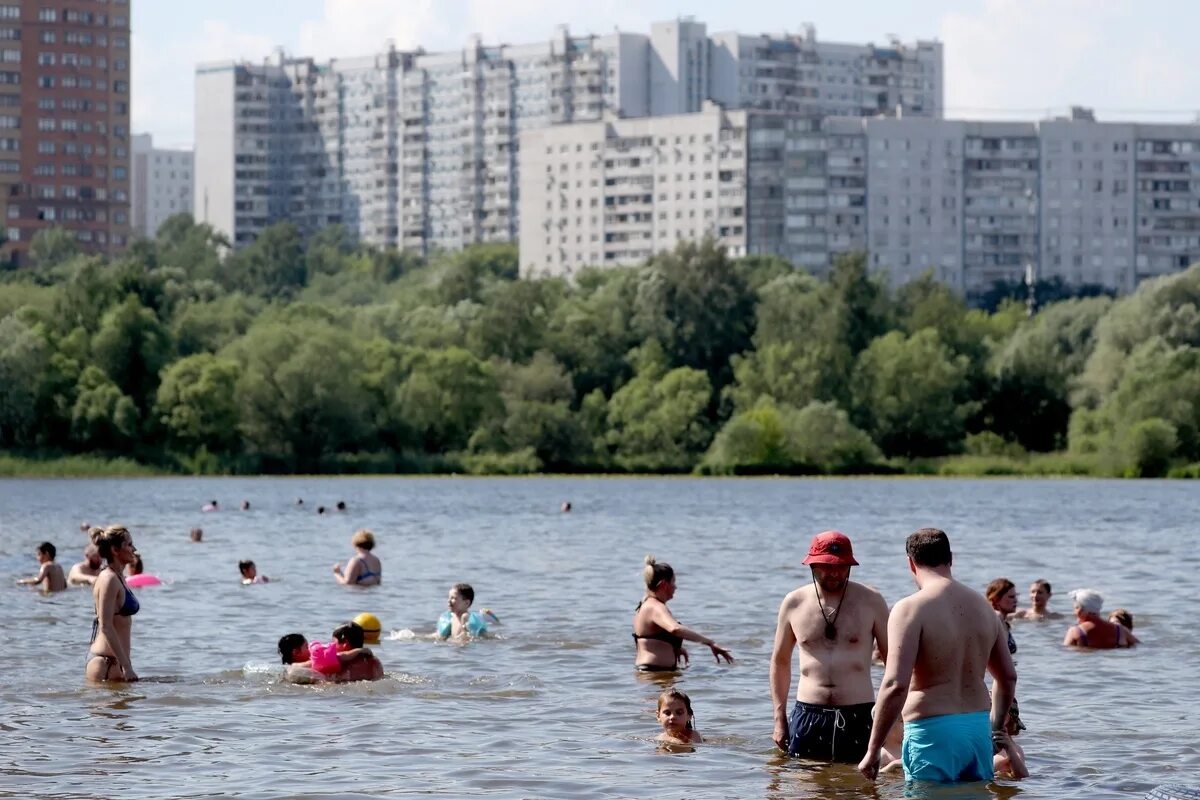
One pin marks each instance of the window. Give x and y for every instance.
(47, 15)
(10, 12)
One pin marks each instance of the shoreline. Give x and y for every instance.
(1049, 465)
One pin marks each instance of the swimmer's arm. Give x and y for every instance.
(1010, 759)
(904, 635)
(879, 628)
(1004, 677)
(346, 657)
(1127, 636)
(781, 670)
(353, 569)
(42, 575)
(663, 618)
(78, 578)
(106, 610)
(1072, 637)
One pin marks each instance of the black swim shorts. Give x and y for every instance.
(830, 733)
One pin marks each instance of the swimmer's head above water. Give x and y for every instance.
(248, 570)
(293, 648)
(349, 636)
(460, 598)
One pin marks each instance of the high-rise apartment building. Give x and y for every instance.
(64, 121)
(1082, 201)
(420, 150)
(161, 185)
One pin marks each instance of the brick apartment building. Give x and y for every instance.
(64, 122)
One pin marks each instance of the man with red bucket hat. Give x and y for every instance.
(836, 623)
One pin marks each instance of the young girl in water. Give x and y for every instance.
(677, 720)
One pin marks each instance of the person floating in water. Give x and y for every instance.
(458, 621)
(1090, 629)
(245, 505)
(941, 641)
(677, 719)
(49, 573)
(250, 573)
(364, 567)
(211, 506)
(835, 622)
(197, 535)
(86, 571)
(565, 507)
(341, 505)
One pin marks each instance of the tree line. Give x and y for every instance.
(327, 356)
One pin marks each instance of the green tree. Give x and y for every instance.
(196, 404)
(819, 437)
(102, 417)
(445, 397)
(24, 360)
(909, 394)
(51, 247)
(271, 266)
(132, 346)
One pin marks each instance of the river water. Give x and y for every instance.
(553, 708)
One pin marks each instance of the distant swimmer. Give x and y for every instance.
(320, 509)
(86, 571)
(245, 505)
(837, 625)
(211, 506)
(341, 505)
(364, 567)
(108, 655)
(299, 501)
(50, 573)
(250, 573)
(565, 507)
(136, 576)
(458, 621)
(677, 719)
(1093, 631)
(657, 636)
(941, 640)
(1039, 598)
(85, 527)
(197, 535)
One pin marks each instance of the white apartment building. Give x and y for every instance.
(161, 185)
(1082, 201)
(420, 150)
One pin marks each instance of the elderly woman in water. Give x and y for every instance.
(108, 657)
(363, 568)
(1093, 631)
(657, 635)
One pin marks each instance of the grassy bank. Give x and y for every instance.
(73, 467)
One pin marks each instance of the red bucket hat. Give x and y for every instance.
(831, 547)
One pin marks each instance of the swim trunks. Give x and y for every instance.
(951, 748)
(830, 733)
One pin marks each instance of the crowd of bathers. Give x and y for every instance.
(933, 717)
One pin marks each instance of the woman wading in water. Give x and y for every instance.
(657, 634)
(108, 656)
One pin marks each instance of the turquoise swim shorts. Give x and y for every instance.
(952, 748)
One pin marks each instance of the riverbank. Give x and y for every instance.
(1036, 465)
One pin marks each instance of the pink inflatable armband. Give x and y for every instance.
(324, 658)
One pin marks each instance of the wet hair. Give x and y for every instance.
(197, 534)
(350, 634)
(108, 539)
(363, 538)
(1121, 617)
(244, 566)
(465, 591)
(675, 694)
(655, 573)
(929, 547)
(1043, 583)
(136, 567)
(288, 645)
(997, 589)
(47, 549)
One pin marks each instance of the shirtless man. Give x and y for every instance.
(50, 572)
(835, 622)
(86, 571)
(943, 638)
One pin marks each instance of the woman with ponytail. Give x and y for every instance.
(657, 635)
(108, 656)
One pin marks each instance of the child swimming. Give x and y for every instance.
(677, 720)
(458, 621)
(250, 573)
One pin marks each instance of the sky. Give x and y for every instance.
(1004, 59)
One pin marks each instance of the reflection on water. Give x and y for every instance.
(553, 707)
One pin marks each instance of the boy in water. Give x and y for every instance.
(250, 573)
(50, 573)
(458, 621)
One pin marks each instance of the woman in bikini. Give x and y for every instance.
(657, 635)
(108, 655)
(363, 568)
(1092, 630)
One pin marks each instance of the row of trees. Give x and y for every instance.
(326, 356)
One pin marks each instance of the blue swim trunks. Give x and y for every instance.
(952, 748)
